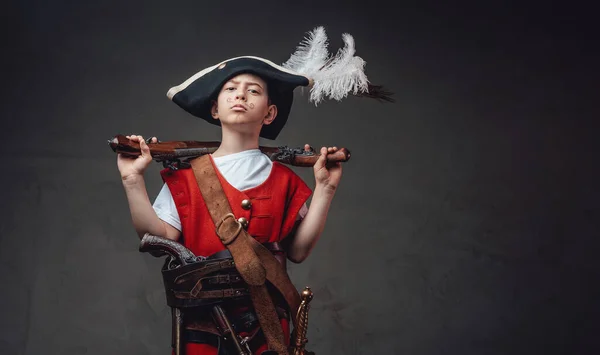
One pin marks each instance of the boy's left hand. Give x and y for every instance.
(327, 175)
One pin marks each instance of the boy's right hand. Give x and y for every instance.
(132, 167)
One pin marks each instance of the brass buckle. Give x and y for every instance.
(237, 232)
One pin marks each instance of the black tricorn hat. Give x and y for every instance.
(332, 77)
(196, 94)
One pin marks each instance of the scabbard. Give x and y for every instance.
(177, 337)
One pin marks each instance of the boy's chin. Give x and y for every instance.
(241, 124)
(241, 118)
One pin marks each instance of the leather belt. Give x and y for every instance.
(274, 247)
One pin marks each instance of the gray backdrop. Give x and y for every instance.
(466, 221)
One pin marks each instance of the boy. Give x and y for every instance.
(249, 97)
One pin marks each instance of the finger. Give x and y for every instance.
(324, 153)
(307, 148)
(334, 166)
(320, 163)
(146, 154)
(154, 139)
(335, 148)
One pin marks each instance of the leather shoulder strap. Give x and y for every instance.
(218, 207)
(242, 248)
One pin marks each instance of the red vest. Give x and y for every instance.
(274, 206)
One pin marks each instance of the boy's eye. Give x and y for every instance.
(254, 91)
(230, 88)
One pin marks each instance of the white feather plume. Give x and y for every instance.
(311, 55)
(343, 74)
(333, 77)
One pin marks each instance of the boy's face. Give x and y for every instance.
(244, 102)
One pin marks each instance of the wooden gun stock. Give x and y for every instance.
(175, 150)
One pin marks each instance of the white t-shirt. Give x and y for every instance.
(243, 171)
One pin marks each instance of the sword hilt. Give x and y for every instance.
(301, 325)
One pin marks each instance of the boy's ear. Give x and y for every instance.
(214, 112)
(271, 114)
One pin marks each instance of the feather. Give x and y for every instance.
(378, 93)
(343, 74)
(333, 77)
(310, 55)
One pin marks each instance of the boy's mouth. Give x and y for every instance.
(239, 107)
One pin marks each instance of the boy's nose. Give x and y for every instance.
(240, 95)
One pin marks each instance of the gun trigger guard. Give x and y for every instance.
(149, 140)
(171, 164)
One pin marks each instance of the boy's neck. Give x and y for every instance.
(235, 142)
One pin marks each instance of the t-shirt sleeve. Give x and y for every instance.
(165, 208)
(302, 213)
(298, 194)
